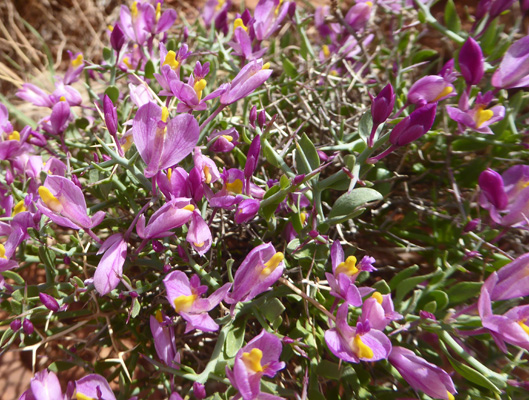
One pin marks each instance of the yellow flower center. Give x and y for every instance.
(199, 87)
(252, 360)
(303, 217)
(2, 251)
(220, 4)
(158, 11)
(361, 349)
(445, 92)
(266, 66)
(81, 396)
(189, 207)
(126, 61)
(134, 10)
(234, 187)
(49, 199)
(348, 267)
(523, 326)
(169, 174)
(184, 303)
(276, 11)
(158, 316)
(272, 264)
(369, 3)
(170, 59)
(326, 51)
(201, 244)
(14, 136)
(239, 24)
(378, 297)
(228, 138)
(165, 114)
(19, 207)
(207, 174)
(110, 28)
(62, 98)
(128, 143)
(482, 116)
(450, 395)
(77, 61)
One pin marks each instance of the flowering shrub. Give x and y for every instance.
(286, 202)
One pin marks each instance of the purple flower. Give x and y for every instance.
(252, 157)
(173, 214)
(249, 78)
(379, 311)
(185, 297)
(199, 391)
(164, 340)
(75, 68)
(513, 71)
(190, 94)
(35, 95)
(173, 183)
(381, 109)
(223, 141)
(478, 118)
(157, 22)
(344, 274)
(506, 196)
(356, 344)
(471, 62)
(510, 281)
(430, 89)
(199, 234)
(28, 327)
(246, 210)
(44, 386)
(268, 17)
(232, 189)
(58, 121)
(117, 38)
(133, 21)
(422, 375)
(261, 268)
(259, 357)
(510, 327)
(94, 387)
(216, 11)
(359, 14)
(110, 268)
(163, 142)
(63, 202)
(206, 166)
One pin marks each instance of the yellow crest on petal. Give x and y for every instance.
(348, 267)
(19, 207)
(2, 251)
(184, 303)
(49, 199)
(272, 264)
(14, 136)
(77, 61)
(252, 360)
(361, 349)
(234, 187)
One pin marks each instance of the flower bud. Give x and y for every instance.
(471, 62)
(413, 126)
(261, 119)
(27, 326)
(15, 325)
(117, 38)
(246, 210)
(199, 390)
(111, 116)
(157, 246)
(382, 105)
(49, 302)
(253, 116)
(252, 157)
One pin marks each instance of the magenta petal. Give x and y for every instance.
(45, 386)
(90, 385)
(110, 268)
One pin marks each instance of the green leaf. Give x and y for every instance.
(329, 370)
(452, 20)
(463, 291)
(149, 70)
(14, 276)
(107, 55)
(272, 309)
(113, 93)
(365, 125)
(289, 68)
(284, 182)
(269, 210)
(382, 287)
(347, 203)
(407, 285)
(406, 273)
(81, 123)
(136, 308)
(235, 339)
(471, 374)
(307, 159)
(423, 55)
